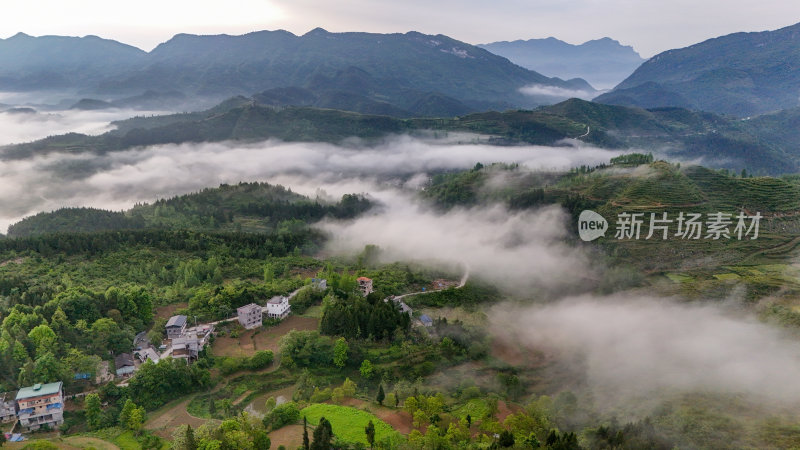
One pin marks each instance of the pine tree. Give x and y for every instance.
(306, 444)
(190, 442)
(323, 435)
(369, 430)
(396, 399)
(381, 395)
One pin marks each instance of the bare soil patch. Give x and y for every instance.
(251, 341)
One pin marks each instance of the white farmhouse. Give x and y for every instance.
(278, 307)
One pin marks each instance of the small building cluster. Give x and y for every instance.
(8, 407)
(34, 406)
(190, 342)
(365, 285)
(278, 307)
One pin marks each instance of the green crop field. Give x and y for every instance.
(348, 423)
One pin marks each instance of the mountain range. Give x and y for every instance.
(398, 74)
(602, 62)
(742, 74)
(763, 145)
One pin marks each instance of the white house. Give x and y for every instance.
(250, 316)
(278, 307)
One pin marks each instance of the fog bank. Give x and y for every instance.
(117, 180)
(638, 349)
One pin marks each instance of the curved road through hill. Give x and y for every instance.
(460, 285)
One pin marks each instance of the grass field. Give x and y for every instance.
(348, 423)
(476, 408)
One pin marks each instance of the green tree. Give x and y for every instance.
(369, 430)
(340, 350)
(306, 443)
(136, 420)
(48, 369)
(323, 435)
(44, 339)
(190, 442)
(366, 369)
(391, 399)
(125, 414)
(92, 411)
(506, 439)
(381, 395)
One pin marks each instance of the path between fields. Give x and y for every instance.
(461, 284)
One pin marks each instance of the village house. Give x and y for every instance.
(103, 374)
(8, 406)
(426, 320)
(404, 308)
(40, 405)
(147, 353)
(365, 285)
(189, 345)
(124, 365)
(250, 316)
(176, 326)
(278, 307)
(319, 284)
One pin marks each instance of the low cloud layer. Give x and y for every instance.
(25, 127)
(540, 90)
(120, 179)
(639, 348)
(516, 251)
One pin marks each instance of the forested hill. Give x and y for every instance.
(249, 207)
(764, 145)
(742, 74)
(393, 71)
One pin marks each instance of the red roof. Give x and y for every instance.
(364, 279)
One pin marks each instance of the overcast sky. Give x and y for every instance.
(650, 26)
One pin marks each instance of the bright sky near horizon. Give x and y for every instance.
(650, 26)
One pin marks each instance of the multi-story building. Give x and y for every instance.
(40, 405)
(176, 326)
(250, 315)
(8, 406)
(189, 345)
(365, 285)
(278, 307)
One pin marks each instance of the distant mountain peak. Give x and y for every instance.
(603, 62)
(319, 31)
(743, 74)
(20, 35)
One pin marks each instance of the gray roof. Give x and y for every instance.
(123, 359)
(176, 321)
(248, 307)
(426, 319)
(277, 300)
